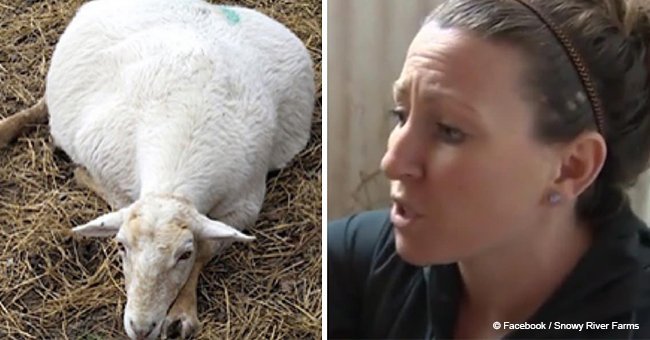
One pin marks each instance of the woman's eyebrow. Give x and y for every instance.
(448, 96)
(400, 88)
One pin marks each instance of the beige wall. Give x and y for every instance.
(366, 43)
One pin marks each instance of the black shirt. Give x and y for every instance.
(373, 293)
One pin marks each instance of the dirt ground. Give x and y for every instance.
(54, 286)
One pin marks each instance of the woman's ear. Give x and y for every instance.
(581, 162)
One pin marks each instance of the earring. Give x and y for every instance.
(554, 198)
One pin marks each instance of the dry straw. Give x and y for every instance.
(54, 286)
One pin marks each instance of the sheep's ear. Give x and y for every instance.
(210, 229)
(104, 226)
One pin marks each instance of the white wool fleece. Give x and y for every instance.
(180, 96)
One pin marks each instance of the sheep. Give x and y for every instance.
(174, 111)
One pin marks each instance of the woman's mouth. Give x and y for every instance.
(402, 215)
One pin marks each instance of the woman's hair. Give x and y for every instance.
(612, 37)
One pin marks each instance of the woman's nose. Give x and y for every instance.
(403, 157)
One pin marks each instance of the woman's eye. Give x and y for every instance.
(450, 134)
(186, 255)
(399, 115)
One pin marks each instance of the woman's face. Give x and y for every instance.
(466, 173)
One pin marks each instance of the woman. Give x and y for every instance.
(521, 123)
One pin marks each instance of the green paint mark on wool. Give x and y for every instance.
(231, 15)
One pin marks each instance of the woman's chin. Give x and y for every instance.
(420, 256)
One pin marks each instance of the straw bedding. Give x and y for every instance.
(55, 286)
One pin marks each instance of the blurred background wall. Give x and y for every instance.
(367, 42)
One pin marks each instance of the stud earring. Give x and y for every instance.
(554, 198)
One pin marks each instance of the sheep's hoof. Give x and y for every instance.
(182, 326)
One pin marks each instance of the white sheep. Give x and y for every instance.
(175, 111)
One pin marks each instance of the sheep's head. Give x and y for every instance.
(157, 239)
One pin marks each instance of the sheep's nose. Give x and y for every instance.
(142, 331)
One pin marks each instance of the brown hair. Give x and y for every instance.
(612, 37)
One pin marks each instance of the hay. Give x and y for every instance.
(55, 287)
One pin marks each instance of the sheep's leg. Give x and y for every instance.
(182, 319)
(13, 126)
(85, 180)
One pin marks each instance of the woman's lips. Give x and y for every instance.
(402, 215)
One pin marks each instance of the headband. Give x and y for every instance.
(578, 63)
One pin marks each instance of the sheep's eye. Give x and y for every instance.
(186, 255)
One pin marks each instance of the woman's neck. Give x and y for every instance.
(511, 282)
